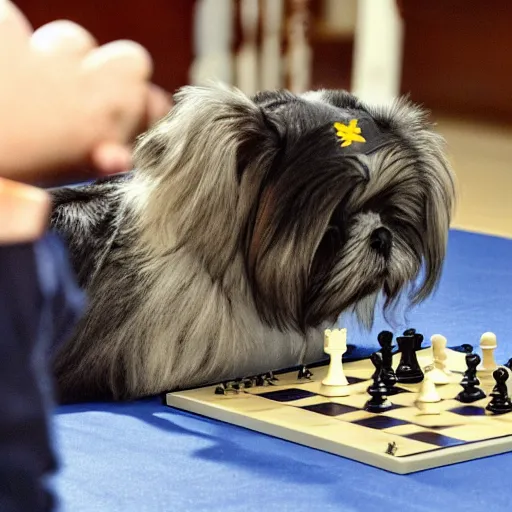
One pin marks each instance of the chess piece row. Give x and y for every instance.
(238, 385)
(265, 379)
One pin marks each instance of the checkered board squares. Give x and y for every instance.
(379, 422)
(469, 410)
(295, 410)
(330, 408)
(287, 395)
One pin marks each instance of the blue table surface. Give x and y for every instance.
(145, 456)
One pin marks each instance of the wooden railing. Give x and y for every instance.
(253, 44)
(266, 44)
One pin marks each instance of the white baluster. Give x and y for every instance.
(299, 51)
(213, 38)
(271, 69)
(377, 51)
(247, 57)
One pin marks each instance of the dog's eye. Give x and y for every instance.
(327, 250)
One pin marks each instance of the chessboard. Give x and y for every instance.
(401, 440)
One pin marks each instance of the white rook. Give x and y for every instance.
(335, 344)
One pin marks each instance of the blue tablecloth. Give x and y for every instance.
(145, 456)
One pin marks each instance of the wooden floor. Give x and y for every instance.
(481, 155)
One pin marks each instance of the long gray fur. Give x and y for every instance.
(242, 234)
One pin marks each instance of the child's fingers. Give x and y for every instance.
(126, 58)
(63, 37)
(14, 27)
(111, 158)
(24, 212)
(159, 103)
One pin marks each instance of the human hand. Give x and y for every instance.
(24, 212)
(70, 109)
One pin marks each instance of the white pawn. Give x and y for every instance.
(440, 373)
(509, 380)
(488, 345)
(335, 344)
(428, 397)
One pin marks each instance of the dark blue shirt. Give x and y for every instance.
(39, 304)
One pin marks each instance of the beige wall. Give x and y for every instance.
(482, 158)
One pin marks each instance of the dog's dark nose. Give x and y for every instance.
(380, 241)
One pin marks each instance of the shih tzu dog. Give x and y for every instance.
(247, 228)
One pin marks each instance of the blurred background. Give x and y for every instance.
(452, 56)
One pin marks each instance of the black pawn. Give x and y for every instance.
(260, 380)
(227, 388)
(471, 392)
(238, 384)
(500, 402)
(304, 373)
(270, 377)
(409, 370)
(220, 389)
(248, 382)
(379, 400)
(508, 364)
(385, 339)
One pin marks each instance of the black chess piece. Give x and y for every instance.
(227, 388)
(508, 364)
(231, 387)
(500, 402)
(259, 380)
(238, 384)
(304, 373)
(465, 348)
(392, 448)
(385, 339)
(418, 340)
(248, 382)
(220, 389)
(409, 370)
(470, 382)
(269, 376)
(378, 391)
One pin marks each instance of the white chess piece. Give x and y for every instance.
(509, 380)
(335, 344)
(428, 397)
(488, 345)
(440, 374)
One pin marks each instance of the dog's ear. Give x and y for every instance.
(206, 118)
(194, 159)
(413, 125)
(439, 205)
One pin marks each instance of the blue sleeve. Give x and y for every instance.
(39, 304)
